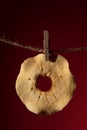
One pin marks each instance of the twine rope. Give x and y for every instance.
(36, 49)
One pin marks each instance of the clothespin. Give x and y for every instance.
(46, 45)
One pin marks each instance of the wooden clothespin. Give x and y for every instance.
(46, 45)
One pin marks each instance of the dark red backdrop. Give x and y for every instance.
(25, 22)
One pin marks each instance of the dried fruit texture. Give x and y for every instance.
(61, 91)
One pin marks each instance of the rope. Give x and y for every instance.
(36, 49)
(21, 45)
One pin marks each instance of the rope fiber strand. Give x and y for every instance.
(36, 49)
(21, 45)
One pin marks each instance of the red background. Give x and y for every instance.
(25, 22)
